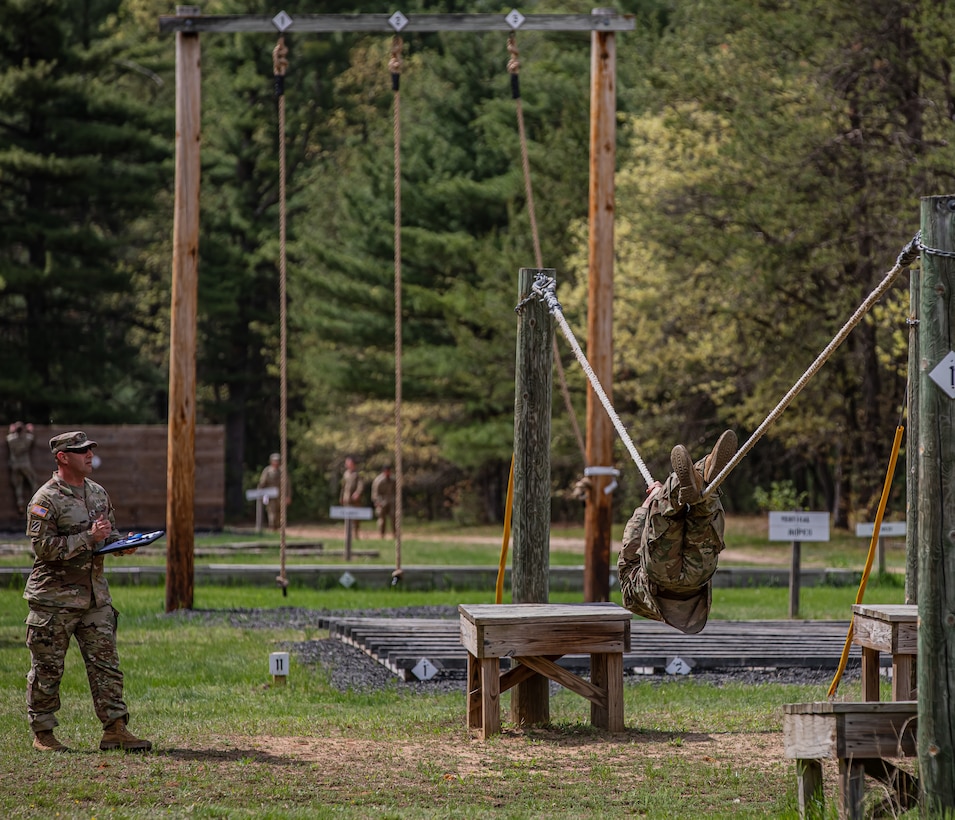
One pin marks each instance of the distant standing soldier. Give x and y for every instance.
(68, 518)
(383, 499)
(353, 485)
(22, 476)
(272, 477)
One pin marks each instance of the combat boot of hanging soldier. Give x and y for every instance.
(721, 454)
(689, 479)
(117, 736)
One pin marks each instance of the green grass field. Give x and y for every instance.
(228, 744)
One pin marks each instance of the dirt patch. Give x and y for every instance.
(543, 749)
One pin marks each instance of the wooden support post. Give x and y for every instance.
(530, 570)
(936, 516)
(795, 572)
(603, 154)
(911, 446)
(181, 449)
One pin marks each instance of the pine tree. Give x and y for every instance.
(79, 164)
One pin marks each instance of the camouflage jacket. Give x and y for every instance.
(66, 574)
(352, 483)
(19, 445)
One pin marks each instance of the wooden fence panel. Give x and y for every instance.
(132, 468)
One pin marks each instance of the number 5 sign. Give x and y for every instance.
(944, 374)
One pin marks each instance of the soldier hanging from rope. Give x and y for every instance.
(672, 542)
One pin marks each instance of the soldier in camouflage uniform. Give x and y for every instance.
(272, 477)
(22, 476)
(67, 519)
(353, 485)
(672, 542)
(383, 499)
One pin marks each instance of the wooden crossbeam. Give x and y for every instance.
(318, 23)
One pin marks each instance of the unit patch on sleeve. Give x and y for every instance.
(35, 527)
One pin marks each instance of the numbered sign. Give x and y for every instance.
(944, 374)
(278, 664)
(678, 666)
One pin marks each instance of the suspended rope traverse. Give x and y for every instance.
(394, 66)
(279, 67)
(908, 255)
(545, 288)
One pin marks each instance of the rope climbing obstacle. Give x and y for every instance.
(279, 68)
(394, 66)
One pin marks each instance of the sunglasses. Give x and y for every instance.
(81, 450)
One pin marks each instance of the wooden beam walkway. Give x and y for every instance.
(401, 644)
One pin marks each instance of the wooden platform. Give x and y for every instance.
(400, 644)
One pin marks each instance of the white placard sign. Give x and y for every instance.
(424, 669)
(889, 529)
(278, 664)
(353, 513)
(943, 374)
(799, 526)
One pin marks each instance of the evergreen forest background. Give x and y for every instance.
(771, 157)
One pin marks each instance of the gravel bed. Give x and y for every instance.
(349, 668)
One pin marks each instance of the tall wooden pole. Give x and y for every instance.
(936, 512)
(603, 152)
(181, 443)
(532, 414)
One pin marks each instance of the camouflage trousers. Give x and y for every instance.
(669, 550)
(48, 637)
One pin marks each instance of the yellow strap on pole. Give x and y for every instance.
(499, 592)
(896, 444)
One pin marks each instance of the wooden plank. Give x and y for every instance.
(490, 684)
(542, 613)
(809, 787)
(891, 613)
(606, 673)
(555, 638)
(323, 23)
(848, 729)
(551, 670)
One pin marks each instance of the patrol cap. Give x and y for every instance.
(72, 441)
(275, 457)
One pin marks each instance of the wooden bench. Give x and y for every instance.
(891, 628)
(860, 736)
(536, 636)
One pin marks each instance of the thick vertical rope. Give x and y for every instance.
(394, 66)
(279, 67)
(514, 68)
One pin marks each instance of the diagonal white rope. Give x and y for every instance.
(545, 287)
(906, 257)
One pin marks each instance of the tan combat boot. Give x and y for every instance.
(45, 741)
(690, 481)
(117, 736)
(723, 451)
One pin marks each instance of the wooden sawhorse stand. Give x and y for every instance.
(860, 736)
(535, 636)
(891, 628)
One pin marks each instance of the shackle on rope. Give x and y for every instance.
(394, 64)
(279, 65)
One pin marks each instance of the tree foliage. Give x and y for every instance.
(770, 162)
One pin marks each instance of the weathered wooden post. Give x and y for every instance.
(795, 577)
(181, 443)
(532, 412)
(600, 435)
(936, 512)
(912, 446)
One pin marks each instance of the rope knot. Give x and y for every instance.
(280, 58)
(394, 64)
(513, 62)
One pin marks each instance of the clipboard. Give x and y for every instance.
(139, 539)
